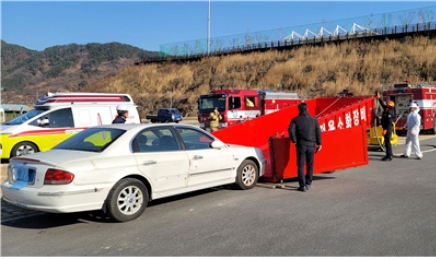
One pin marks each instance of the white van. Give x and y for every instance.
(57, 116)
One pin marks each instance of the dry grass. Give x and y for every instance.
(310, 70)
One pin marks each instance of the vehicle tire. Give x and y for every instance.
(127, 200)
(153, 121)
(23, 148)
(247, 175)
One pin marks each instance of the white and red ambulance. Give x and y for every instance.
(57, 116)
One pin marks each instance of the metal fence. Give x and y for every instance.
(404, 22)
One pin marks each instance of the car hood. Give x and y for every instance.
(253, 151)
(3, 128)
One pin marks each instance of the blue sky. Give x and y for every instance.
(37, 25)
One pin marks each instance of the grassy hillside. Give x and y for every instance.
(359, 66)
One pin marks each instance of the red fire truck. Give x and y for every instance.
(424, 95)
(232, 105)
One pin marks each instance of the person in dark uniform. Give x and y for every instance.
(305, 132)
(386, 123)
(122, 114)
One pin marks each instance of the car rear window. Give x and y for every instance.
(91, 140)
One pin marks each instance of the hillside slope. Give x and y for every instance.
(362, 67)
(65, 68)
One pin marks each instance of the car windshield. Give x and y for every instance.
(175, 111)
(206, 104)
(91, 140)
(25, 117)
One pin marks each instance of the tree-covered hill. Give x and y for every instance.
(67, 68)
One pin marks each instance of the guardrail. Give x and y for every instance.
(387, 31)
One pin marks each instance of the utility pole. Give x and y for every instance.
(208, 29)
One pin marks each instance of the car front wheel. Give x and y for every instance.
(127, 200)
(247, 175)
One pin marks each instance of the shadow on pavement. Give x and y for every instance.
(44, 220)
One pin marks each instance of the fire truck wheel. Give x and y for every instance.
(23, 148)
(434, 126)
(247, 175)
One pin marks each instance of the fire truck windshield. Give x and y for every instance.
(206, 104)
(401, 85)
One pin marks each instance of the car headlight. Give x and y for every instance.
(223, 124)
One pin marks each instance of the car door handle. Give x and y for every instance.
(198, 157)
(149, 162)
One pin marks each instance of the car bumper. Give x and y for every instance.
(6, 146)
(262, 168)
(56, 198)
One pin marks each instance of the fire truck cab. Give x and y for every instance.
(423, 94)
(236, 106)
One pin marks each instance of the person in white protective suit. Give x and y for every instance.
(412, 125)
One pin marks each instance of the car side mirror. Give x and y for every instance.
(217, 144)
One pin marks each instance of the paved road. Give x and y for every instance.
(383, 209)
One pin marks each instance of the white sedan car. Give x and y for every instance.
(120, 168)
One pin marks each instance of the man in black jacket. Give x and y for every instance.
(305, 133)
(122, 114)
(386, 123)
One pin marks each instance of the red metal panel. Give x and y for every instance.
(327, 105)
(259, 131)
(352, 115)
(335, 155)
(256, 132)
